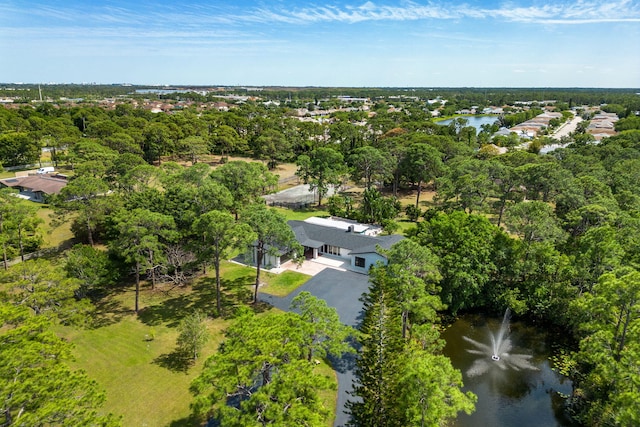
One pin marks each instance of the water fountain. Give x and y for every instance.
(506, 365)
(498, 353)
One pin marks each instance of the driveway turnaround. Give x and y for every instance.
(341, 290)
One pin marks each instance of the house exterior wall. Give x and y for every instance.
(271, 261)
(342, 252)
(370, 259)
(268, 261)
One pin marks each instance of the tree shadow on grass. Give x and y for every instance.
(203, 298)
(108, 311)
(176, 361)
(235, 293)
(191, 421)
(169, 311)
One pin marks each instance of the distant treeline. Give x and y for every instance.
(463, 97)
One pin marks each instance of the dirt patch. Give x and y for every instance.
(285, 171)
(409, 198)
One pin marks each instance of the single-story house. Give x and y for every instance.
(341, 239)
(36, 187)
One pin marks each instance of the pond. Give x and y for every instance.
(475, 121)
(517, 388)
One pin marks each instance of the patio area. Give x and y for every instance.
(313, 266)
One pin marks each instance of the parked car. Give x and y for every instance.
(46, 169)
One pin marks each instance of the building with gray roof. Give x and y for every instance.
(357, 244)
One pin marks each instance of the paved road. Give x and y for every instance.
(342, 290)
(568, 127)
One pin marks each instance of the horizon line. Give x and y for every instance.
(239, 85)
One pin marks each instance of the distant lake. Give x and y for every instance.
(475, 121)
(162, 91)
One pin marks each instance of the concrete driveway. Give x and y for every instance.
(341, 290)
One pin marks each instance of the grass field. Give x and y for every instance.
(284, 283)
(302, 214)
(53, 235)
(133, 357)
(141, 382)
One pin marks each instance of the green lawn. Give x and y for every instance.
(143, 381)
(404, 226)
(274, 284)
(53, 235)
(284, 283)
(302, 214)
(133, 357)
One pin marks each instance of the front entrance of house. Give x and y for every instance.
(310, 253)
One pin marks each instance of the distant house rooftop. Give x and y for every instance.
(36, 186)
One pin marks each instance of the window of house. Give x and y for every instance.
(360, 262)
(332, 250)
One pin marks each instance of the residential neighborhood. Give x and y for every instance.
(388, 222)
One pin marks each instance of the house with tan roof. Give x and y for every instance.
(36, 187)
(602, 125)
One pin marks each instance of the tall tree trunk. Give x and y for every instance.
(153, 270)
(418, 196)
(423, 411)
(259, 256)
(616, 330)
(503, 203)
(405, 321)
(216, 264)
(137, 286)
(204, 263)
(89, 233)
(20, 243)
(623, 338)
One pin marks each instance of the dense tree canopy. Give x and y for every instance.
(262, 374)
(273, 237)
(462, 243)
(552, 236)
(323, 168)
(36, 384)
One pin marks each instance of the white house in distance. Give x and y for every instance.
(341, 239)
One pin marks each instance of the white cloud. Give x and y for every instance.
(581, 12)
(195, 16)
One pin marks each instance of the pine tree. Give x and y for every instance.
(378, 369)
(403, 380)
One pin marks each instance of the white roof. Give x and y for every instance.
(344, 224)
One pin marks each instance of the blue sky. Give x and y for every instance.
(518, 43)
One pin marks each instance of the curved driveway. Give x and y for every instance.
(341, 290)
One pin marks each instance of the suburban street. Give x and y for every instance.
(567, 128)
